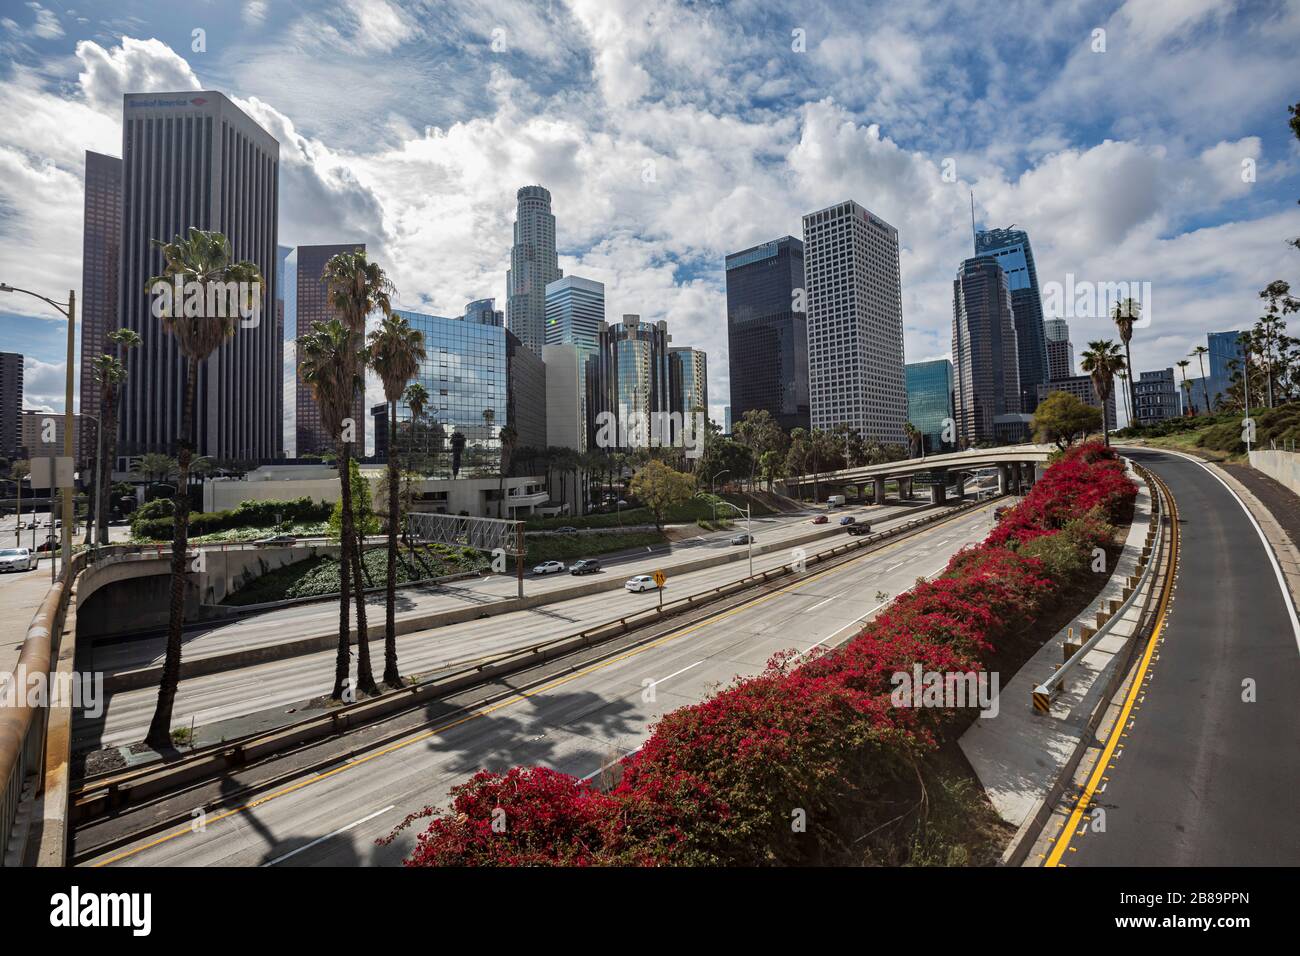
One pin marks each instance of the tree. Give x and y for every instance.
(355, 288)
(1126, 313)
(759, 432)
(199, 328)
(416, 397)
(1062, 417)
(509, 439)
(396, 351)
(19, 470)
(660, 488)
(110, 372)
(1187, 386)
(458, 441)
(155, 467)
(796, 459)
(915, 441)
(326, 370)
(1101, 361)
(1199, 352)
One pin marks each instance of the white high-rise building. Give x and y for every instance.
(533, 266)
(855, 322)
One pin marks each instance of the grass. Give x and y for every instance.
(1219, 436)
(319, 577)
(569, 547)
(310, 530)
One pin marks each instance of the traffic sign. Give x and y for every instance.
(660, 578)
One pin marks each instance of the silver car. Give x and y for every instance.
(16, 559)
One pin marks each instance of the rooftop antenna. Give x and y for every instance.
(974, 234)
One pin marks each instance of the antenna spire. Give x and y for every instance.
(973, 233)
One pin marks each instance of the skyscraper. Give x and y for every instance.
(575, 307)
(194, 159)
(1060, 351)
(1156, 397)
(986, 383)
(628, 378)
(1224, 349)
(1011, 249)
(929, 400)
(767, 340)
(533, 266)
(11, 405)
(855, 322)
(101, 234)
(306, 300)
(688, 385)
(484, 312)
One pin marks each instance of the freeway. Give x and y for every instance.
(576, 721)
(1207, 768)
(321, 617)
(292, 681)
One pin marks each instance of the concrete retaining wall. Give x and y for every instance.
(1282, 466)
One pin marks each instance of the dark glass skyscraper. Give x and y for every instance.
(11, 406)
(767, 341)
(929, 400)
(986, 384)
(194, 159)
(101, 234)
(1011, 249)
(628, 378)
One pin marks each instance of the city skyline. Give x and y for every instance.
(629, 200)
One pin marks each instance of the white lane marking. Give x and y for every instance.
(1268, 548)
(600, 770)
(859, 620)
(308, 846)
(675, 673)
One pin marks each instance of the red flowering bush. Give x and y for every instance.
(722, 781)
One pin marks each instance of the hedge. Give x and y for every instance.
(716, 783)
(248, 514)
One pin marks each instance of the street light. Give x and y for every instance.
(70, 313)
(713, 495)
(748, 530)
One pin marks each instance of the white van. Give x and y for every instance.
(835, 501)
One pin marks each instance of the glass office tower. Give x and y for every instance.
(767, 340)
(929, 400)
(1224, 348)
(1012, 251)
(986, 383)
(533, 266)
(465, 371)
(627, 378)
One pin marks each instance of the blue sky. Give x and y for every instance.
(672, 133)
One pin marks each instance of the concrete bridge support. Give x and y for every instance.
(880, 491)
(959, 486)
(905, 489)
(938, 493)
(1004, 479)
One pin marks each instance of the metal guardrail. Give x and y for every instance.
(115, 789)
(1042, 694)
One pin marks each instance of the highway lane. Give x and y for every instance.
(206, 699)
(576, 723)
(1203, 777)
(305, 620)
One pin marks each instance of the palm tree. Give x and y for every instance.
(1199, 352)
(110, 372)
(1101, 361)
(325, 369)
(458, 441)
(509, 439)
(914, 440)
(204, 258)
(396, 351)
(1126, 313)
(355, 288)
(1187, 386)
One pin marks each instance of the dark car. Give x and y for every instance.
(567, 529)
(585, 566)
(742, 539)
(863, 528)
(848, 519)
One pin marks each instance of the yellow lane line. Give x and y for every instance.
(1098, 771)
(518, 698)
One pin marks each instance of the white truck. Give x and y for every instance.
(835, 501)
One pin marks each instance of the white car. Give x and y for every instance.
(16, 559)
(642, 582)
(549, 567)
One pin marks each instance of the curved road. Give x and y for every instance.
(1203, 777)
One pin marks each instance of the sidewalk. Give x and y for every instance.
(1021, 756)
(21, 593)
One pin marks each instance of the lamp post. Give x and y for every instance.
(69, 311)
(713, 494)
(748, 531)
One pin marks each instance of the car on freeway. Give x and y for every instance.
(567, 529)
(848, 519)
(742, 539)
(820, 519)
(277, 539)
(585, 566)
(642, 582)
(16, 559)
(860, 528)
(549, 567)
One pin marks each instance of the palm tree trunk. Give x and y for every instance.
(1132, 389)
(343, 654)
(391, 676)
(352, 540)
(1105, 428)
(1204, 386)
(159, 736)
